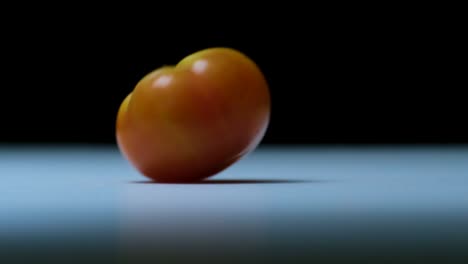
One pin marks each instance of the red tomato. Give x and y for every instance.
(190, 121)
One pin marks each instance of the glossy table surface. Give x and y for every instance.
(379, 204)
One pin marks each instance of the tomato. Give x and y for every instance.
(190, 121)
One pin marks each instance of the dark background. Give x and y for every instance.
(333, 79)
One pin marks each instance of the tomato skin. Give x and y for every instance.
(190, 121)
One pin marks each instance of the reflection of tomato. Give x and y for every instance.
(190, 121)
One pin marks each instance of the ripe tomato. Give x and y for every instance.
(190, 121)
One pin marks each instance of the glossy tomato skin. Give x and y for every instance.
(190, 121)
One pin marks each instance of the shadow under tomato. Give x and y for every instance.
(236, 181)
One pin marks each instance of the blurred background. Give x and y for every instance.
(334, 79)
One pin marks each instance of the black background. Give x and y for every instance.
(333, 79)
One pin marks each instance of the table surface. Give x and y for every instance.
(277, 205)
